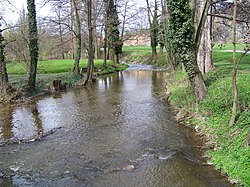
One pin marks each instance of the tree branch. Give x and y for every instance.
(228, 18)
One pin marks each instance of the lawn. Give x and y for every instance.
(49, 66)
(228, 46)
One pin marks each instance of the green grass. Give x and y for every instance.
(228, 46)
(229, 153)
(141, 55)
(52, 70)
(50, 66)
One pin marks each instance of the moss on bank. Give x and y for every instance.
(226, 145)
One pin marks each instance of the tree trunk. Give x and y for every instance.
(72, 27)
(204, 41)
(167, 44)
(234, 76)
(95, 31)
(153, 30)
(76, 69)
(3, 71)
(195, 76)
(61, 35)
(154, 54)
(33, 44)
(105, 48)
(199, 86)
(90, 50)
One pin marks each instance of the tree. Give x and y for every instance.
(153, 29)
(3, 71)
(76, 69)
(128, 15)
(33, 44)
(181, 35)
(236, 62)
(17, 42)
(235, 102)
(90, 48)
(204, 35)
(112, 34)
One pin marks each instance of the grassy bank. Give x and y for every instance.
(50, 66)
(141, 55)
(55, 69)
(226, 145)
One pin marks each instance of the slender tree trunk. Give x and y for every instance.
(167, 44)
(153, 30)
(105, 47)
(234, 76)
(95, 30)
(76, 69)
(33, 44)
(90, 50)
(72, 27)
(105, 52)
(3, 71)
(124, 21)
(61, 35)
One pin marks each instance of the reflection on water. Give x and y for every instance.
(116, 132)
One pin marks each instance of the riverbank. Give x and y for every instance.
(226, 146)
(48, 71)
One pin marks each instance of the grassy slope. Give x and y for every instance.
(228, 152)
(141, 55)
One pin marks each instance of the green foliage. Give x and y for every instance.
(112, 24)
(154, 29)
(181, 35)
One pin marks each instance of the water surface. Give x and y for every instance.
(117, 132)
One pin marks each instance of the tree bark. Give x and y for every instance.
(234, 76)
(76, 69)
(204, 37)
(90, 50)
(61, 33)
(33, 44)
(105, 52)
(3, 71)
(153, 30)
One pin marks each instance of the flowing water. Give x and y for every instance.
(117, 132)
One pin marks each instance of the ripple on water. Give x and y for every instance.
(115, 133)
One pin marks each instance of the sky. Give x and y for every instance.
(11, 11)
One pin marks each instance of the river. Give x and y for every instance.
(117, 132)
